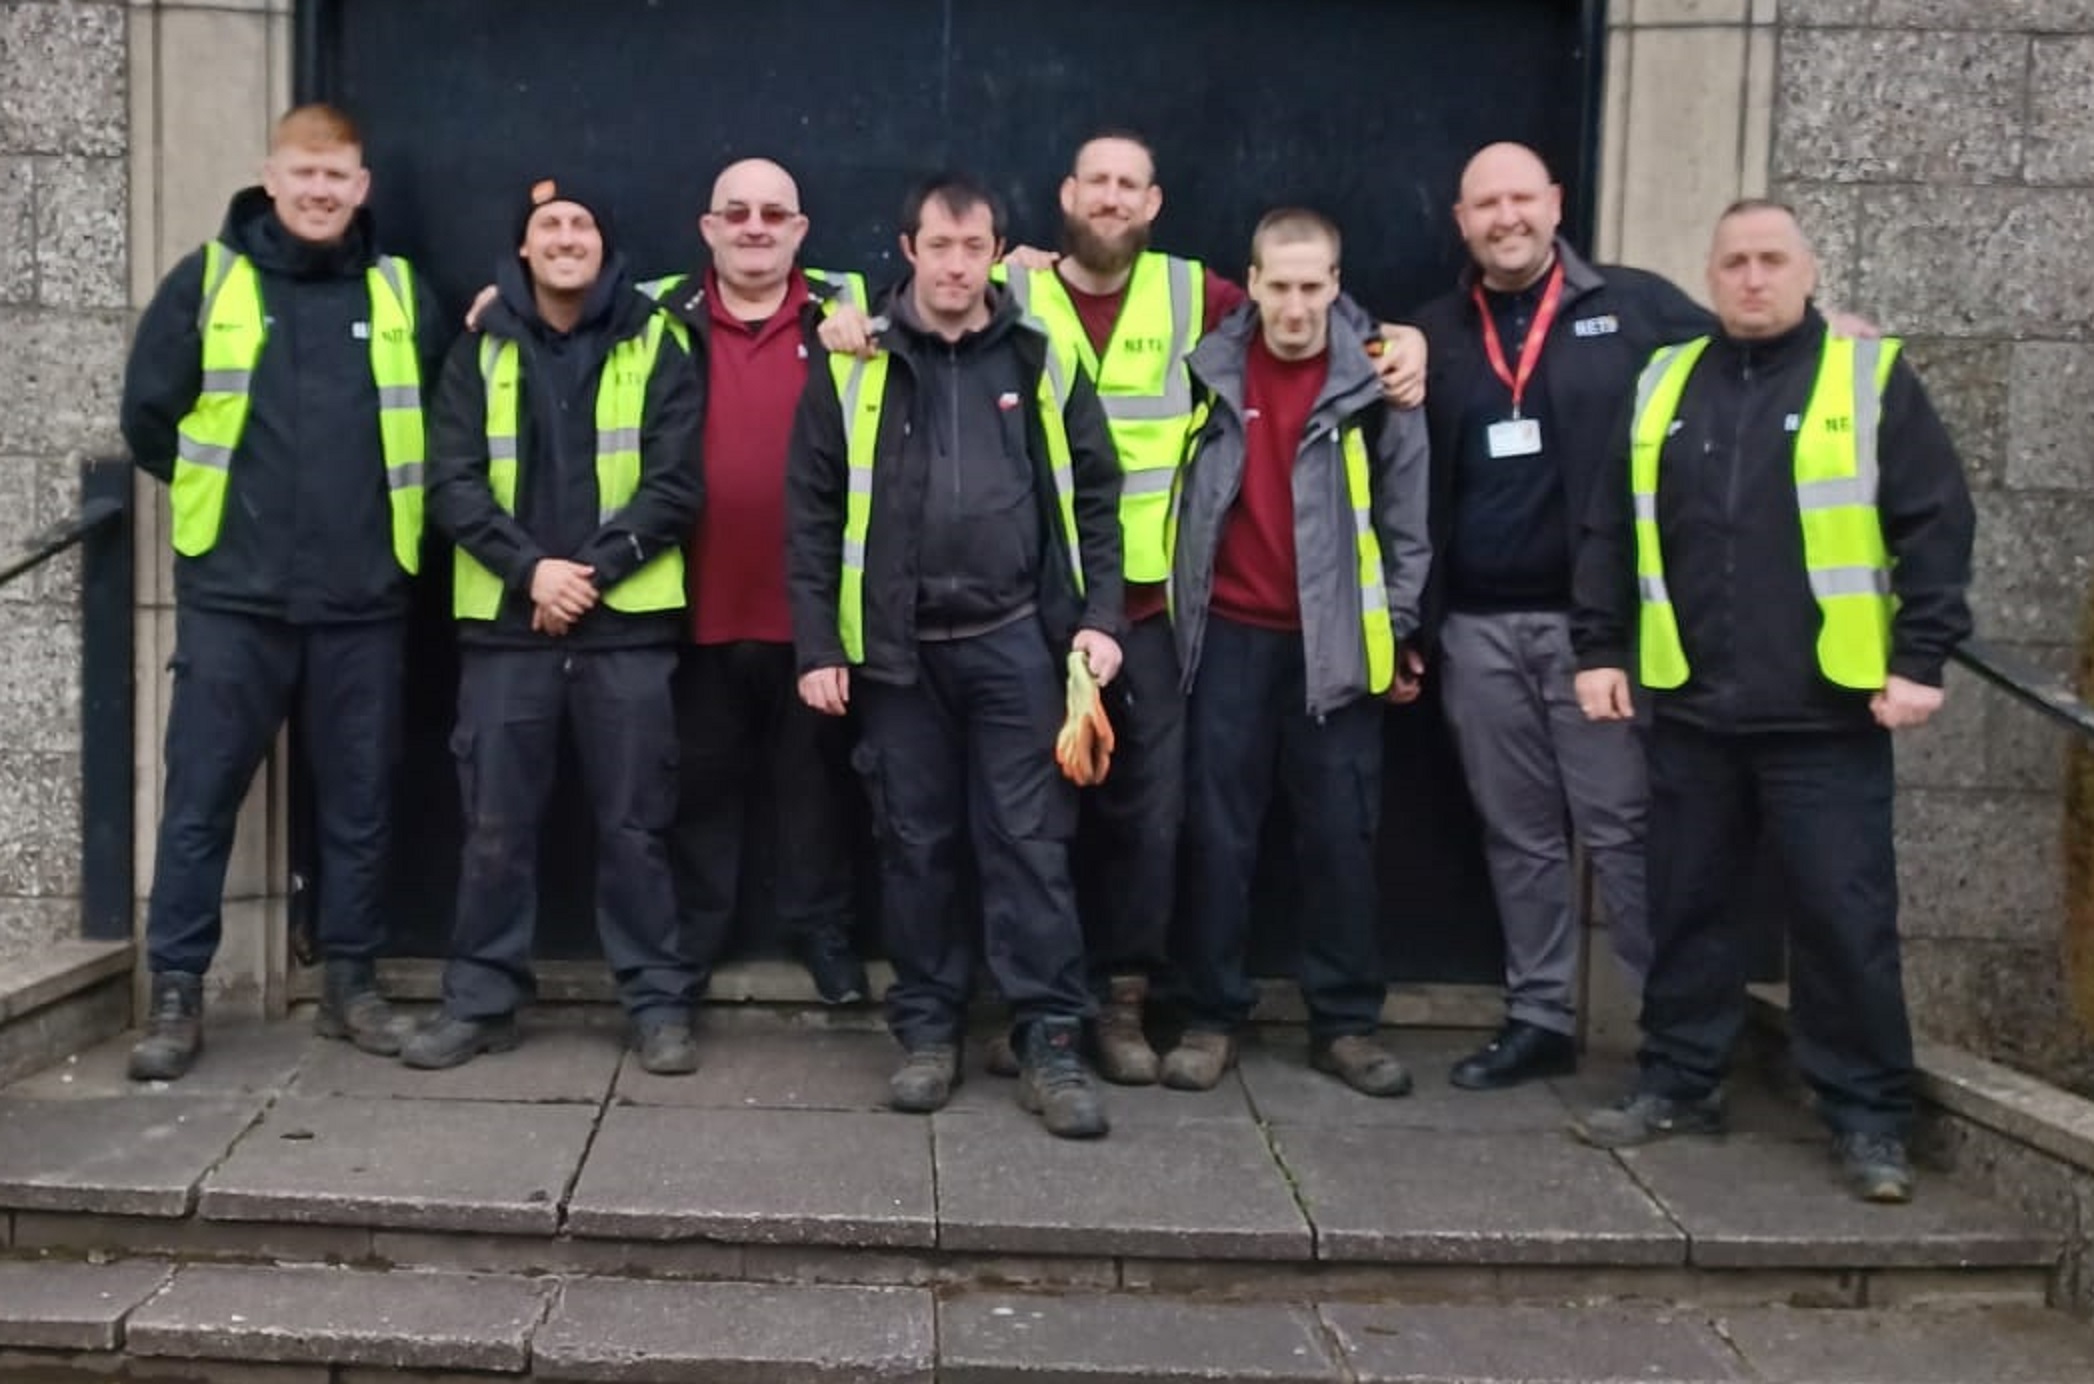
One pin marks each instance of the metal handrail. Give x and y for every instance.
(2027, 685)
(67, 533)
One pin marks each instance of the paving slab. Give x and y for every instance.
(415, 1165)
(50, 1305)
(759, 1176)
(774, 1068)
(1755, 1107)
(551, 1065)
(1748, 1202)
(74, 1367)
(1426, 1196)
(239, 1059)
(1286, 1091)
(2006, 1345)
(736, 1333)
(395, 1320)
(988, 1339)
(1529, 1345)
(1167, 1190)
(125, 1155)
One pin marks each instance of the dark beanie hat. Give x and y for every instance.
(578, 190)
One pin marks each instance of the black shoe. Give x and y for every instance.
(1644, 1118)
(352, 1010)
(450, 1042)
(837, 973)
(666, 1047)
(1521, 1052)
(1054, 1084)
(1875, 1166)
(174, 1028)
(924, 1081)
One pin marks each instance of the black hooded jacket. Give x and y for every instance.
(556, 493)
(965, 532)
(308, 519)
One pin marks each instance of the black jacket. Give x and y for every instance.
(556, 493)
(308, 519)
(690, 305)
(965, 527)
(1733, 544)
(1611, 319)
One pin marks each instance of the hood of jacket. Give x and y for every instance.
(253, 228)
(907, 335)
(1218, 361)
(613, 305)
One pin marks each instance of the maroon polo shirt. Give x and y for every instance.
(1254, 566)
(754, 374)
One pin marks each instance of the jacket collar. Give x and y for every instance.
(1579, 276)
(1218, 361)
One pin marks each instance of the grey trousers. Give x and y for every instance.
(1537, 770)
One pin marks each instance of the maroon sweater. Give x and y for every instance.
(1254, 566)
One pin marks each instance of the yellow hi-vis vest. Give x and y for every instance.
(1836, 482)
(850, 287)
(621, 400)
(231, 323)
(861, 389)
(1142, 383)
(1377, 633)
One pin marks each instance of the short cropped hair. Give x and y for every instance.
(316, 126)
(1124, 135)
(1291, 226)
(958, 193)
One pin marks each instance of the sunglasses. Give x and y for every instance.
(771, 214)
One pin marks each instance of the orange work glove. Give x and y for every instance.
(1084, 747)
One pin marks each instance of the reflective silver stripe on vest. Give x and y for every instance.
(1653, 590)
(227, 381)
(1176, 399)
(389, 270)
(1064, 480)
(853, 385)
(1153, 480)
(1849, 581)
(501, 449)
(1836, 494)
(1646, 508)
(1647, 383)
(408, 477)
(204, 454)
(1868, 416)
(618, 440)
(861, 480)
(226, 261)
(1374, 599)
(1020, 285)
(1054, 374)
(846, 291)
(399, 396)
(853, 552)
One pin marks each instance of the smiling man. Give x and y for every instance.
(276, 385)
(562, 467)
(955, 536)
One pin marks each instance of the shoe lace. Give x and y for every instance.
(1873, 1148)
(169, 1006)
(1056, 1060)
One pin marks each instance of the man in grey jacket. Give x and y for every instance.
(1299, 563)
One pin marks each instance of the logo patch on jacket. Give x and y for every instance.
(1605, 325)
(1007, 400)
(1792, 423)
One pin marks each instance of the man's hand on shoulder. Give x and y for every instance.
(1401, 365)
(1020, 258)
(847, 331)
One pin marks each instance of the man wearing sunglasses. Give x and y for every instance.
(747, 740)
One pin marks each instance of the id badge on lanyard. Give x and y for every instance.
(1519, 436)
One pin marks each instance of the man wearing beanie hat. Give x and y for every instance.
(562, 465)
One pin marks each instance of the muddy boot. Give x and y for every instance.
(1000, 1056)
(174, 1028)
(352, 1010)
(1199, 1061)
(924, 1081)
(1055, 1085)
(1124, 1054)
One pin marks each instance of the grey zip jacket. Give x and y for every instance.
(1325, 533)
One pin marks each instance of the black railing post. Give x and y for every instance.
(108, 762)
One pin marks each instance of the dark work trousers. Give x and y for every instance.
(746, 739)
(1824, 800)
(965, 757)
(1247, 731)
(616, 703)
(236, 678)
(1538, 770)
(1127, 836)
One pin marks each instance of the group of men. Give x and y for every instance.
(701, 523)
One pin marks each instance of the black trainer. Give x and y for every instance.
(174, 1028)
(1875, 1166)
(1521, 1052)
(1645, 1117)
(838, 975)
(1054, 1084)
(453, 1042)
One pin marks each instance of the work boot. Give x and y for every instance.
(1055, 1085)
(1362, 1063)
(1645, 1117)
(838, 975)
(665, 1045)
(1199, 1060)
(174, 1028)
(925, 1080)
(448, 1041)
(999, 1058)
(351, 1009)
(1875, 1166)
(1124, 1054)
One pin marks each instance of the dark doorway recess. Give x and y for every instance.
(1365, 109)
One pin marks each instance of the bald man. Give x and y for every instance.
(747, 742)
(1780, 556)
(1533, 355)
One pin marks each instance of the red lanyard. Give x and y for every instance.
(1530, 350)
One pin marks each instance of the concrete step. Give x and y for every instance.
(776, 1164)
(316, 1325)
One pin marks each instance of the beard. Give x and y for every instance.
(1098, 254)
